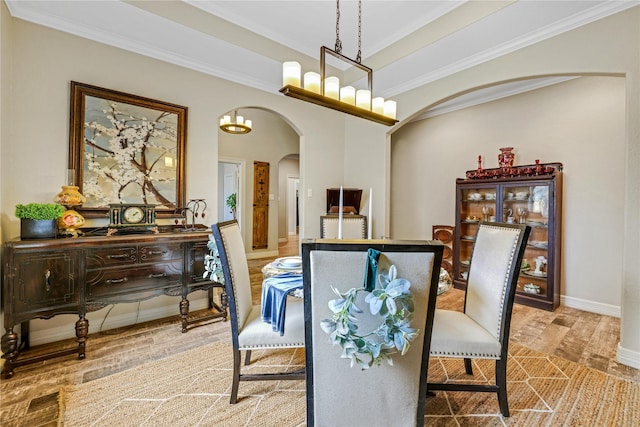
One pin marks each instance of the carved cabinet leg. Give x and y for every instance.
(184, 311)
(82, 330)
(9, 352)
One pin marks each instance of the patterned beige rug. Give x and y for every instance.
(192, 389)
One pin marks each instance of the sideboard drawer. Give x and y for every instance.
(111, 256)
(154, 253)
(133, 279)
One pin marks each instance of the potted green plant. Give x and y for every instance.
(231, 203)
(39, 220)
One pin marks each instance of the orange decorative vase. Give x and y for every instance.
(70, 220)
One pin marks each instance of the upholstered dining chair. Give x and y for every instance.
(481, 331)
(349, 380)
(248, 331)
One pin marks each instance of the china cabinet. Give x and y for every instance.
(525, 194)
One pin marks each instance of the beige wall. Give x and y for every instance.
(5, 90)
(580, 123)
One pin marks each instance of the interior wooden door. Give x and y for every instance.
(260, 205)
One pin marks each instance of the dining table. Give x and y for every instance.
(282, 278)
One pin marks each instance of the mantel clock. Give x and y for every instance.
(132, 218)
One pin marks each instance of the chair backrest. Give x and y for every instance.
(341, 395)
(493, 275)
(236, 272)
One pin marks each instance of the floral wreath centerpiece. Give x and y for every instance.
(392, 302)
(212, 263)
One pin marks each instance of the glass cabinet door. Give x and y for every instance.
(529, 204)
(476, 204)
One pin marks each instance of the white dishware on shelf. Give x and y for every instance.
(540, 262)
(521, 195)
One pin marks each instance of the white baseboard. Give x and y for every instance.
(591, 306)
(628, 357)
(66, 331)
(257, 255)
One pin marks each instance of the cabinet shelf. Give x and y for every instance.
(540, 209)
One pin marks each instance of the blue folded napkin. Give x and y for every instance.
(274, 298)
(371, 269)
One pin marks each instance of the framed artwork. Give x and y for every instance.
(126, 149)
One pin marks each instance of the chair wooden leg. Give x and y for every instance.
(247, 357)
(467, 366)
(501, 382)
(236, 376)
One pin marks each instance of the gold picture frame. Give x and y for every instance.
(126, 149)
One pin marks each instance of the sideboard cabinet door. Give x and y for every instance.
(44, 284)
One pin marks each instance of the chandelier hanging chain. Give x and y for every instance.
(338, 47)
(359, 55)
(338, 41)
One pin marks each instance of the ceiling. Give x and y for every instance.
(406, 43)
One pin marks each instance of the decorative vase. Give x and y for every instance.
(71, 219)
(38, 229)
(70, 196)
(505, 158)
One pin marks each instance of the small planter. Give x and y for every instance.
(38, 229)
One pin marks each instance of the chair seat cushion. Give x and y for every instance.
(257, 334)
(457, 335)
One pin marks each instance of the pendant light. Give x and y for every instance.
(236, 126)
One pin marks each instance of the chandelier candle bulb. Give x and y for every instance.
(390, 109)
(312, 82)
(239, 120)
(332, 87)
(377, 105)
(247, 123)
(363, 99)
(348, 95)
(291, 71)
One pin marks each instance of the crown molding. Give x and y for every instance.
(575, 21)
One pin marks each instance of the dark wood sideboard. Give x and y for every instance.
(44, 278)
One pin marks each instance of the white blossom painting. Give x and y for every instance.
(127, 149)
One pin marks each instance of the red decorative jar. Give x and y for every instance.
(505, 158)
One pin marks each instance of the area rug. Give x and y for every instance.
(192, 389)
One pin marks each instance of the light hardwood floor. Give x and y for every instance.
(30, 398)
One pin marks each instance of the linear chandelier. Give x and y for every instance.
(238, 126)
(326, 91)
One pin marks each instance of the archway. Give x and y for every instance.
(271, 140)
